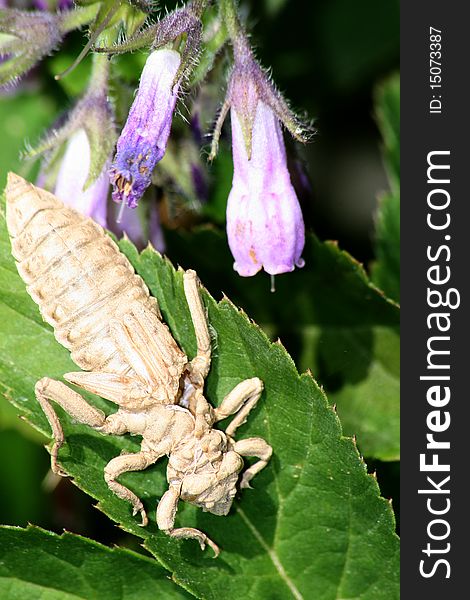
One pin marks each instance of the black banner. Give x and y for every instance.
(435, 167)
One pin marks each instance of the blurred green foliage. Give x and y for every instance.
(386, 269)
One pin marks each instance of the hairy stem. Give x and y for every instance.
(93, 37)
(99, 71)
(228, 9)
(198, 7)
(74, 19)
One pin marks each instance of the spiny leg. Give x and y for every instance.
(253, 447)
(77, 407)
(240, 400)
(201, 362)
(166, 512)
(123, 464)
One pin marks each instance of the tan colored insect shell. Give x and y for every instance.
(102, 312)
(78, 277)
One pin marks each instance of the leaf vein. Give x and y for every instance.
(272, 555)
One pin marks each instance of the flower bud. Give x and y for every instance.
(73, 175)
(143, 140)
(264, 222)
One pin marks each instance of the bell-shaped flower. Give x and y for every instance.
(143, 140)
(72, 178)
(265, 227)
(264, 222)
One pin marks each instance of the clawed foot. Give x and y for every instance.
(195, 534)
(212, 545)
(140, 508)
(55, 467)
(245, 482)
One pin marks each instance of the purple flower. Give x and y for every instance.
(264, 222)
(144, 138)
(265, 227)
(64, 4)
(73, 174)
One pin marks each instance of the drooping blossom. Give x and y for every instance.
(73, 175)
(264, 222)
(265, 226)
(143, 140)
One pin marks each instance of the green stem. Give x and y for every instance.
(240, 43)
(228, 9)
(198, 7)
(74, 19)
(93, 37)
(99, 71)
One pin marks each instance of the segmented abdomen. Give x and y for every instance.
(75, 273)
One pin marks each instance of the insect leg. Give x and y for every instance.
(201, 363)
(240, 400)
(253, 447)
(123, 464)
(204, 414)
(166, 512)
(77, 407)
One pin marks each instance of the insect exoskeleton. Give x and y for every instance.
(103, 313)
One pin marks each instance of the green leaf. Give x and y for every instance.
(23, 499)
(313, 527)
(37, 564)
(386, 269)
(359, 368)
(334, 321)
